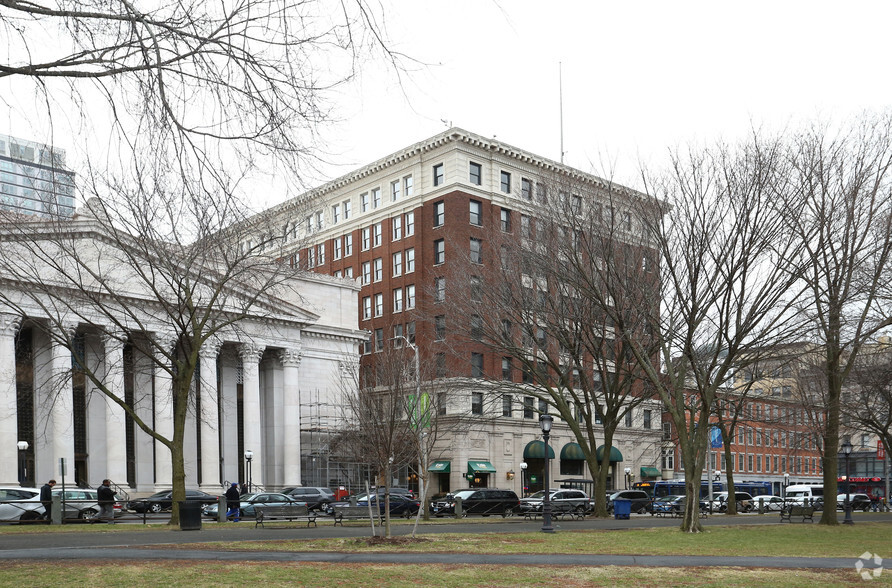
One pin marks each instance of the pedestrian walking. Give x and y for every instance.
(106, 498)
(233, 503)
(46, 497)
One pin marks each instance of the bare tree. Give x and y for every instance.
(841, 211)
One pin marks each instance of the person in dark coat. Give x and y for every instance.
(46, 497)
(233, 502)
(105, 496)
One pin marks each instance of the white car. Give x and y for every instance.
(19, 504)
(769, 502)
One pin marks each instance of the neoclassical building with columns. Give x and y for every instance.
(254, 376)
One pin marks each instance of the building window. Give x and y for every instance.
(440, 327)
(476, 327)
(311, 257)
(379, 304)
(367, 307)
(397, 336)
(379, 339)
(397, 264)
(476, 289)
(476, 210)
(320, 253)
(376, 197)
(439, 251)
(506, 406)
(439, 289)
(410, 296)
(477, 368)
(667, 458)
(410, 260)
(439, 213)
(438, 174)
(320, 220)
(526, 188)
(667, 431)
(627, 221)
(379, 269)
(407, 185)
(348, 245)
(647, 423)
(346, 209)
(528, 407)
(507, 370)
(378, 234)
(475, 172)
(364, 202)
(367, 345)
(397, 300)
(336, 273)
(348, 271)
(396, 224)
(395, 191)
(337, 249)
(410, 224)
(366, 238)
(542, 192)
(366, 273)
(476, 397)
(441, 365)
(476, 251)
(506, 220)
(410, 331)
(628, 418)
(336, 214)
(525, 227)
(505, 182)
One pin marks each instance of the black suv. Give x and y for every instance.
(641, 502)
(316, 497)
(161, 501)
(482, 501)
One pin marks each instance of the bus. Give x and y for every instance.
(671, 487)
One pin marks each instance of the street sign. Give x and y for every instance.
(715, 438)
(881, 450)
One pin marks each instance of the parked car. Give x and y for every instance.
(674, 504)
(161, 501)
(400, 504)
(769, 502)
(20, 504)
(82, 503)
(249, 502)
(314, 496)
(563, 500)
(482, 501)
(859, 501)
(744, 502)
(639, 498)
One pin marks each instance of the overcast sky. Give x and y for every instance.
(638, 77)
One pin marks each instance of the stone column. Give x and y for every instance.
(62, 397)
(253, 428)
(9, 325)
(115, 422)
(290, 436)
(210, 417)
(163, 385)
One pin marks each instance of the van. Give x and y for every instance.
(805, 494)
(483, 501)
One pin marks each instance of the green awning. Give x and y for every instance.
(650, 472)
(572, 451)
(443, 466)
(536, 450)
(615, 454)
(480, 467)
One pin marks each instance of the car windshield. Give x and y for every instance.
(464, 494)
(540, 495)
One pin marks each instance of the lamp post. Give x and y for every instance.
(23, 475)
(847, 450)
(523, 479)
(545, 421)
(786, 483)
(249, 455)
(628, 475)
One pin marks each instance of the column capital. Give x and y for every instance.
(112, 337)
(290, 357)
(9, 324)
(211, 348)
(251, 353)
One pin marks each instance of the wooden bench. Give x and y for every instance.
(797, 510)
(342, 512)
(285, 511)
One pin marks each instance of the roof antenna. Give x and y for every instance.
(561, 105)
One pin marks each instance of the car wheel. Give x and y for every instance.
(29, 516)
(88, 515)
(580, 511)
(155, 507)
(642, 510)
(508, 512)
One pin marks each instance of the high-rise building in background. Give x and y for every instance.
(33, 179)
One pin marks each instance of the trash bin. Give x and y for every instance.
(190, 515)
(622, 508)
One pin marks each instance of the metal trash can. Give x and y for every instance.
(622, 509)
(190, 515)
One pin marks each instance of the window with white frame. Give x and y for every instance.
(410, 296)
(336, 273)
(320, 220)
(475, 173)
(394, 191)
(439, 213)
(476, 213)
(379, 269)
(336, 214)
(667, 458)
(410, 224)
(379, 304)
(439, 289)
(346, 204)
(397, 264)
(439, 251)
(348, 272)
(438, 174)
(410, 260)
(337, 249)
(647, 418)
(366, 238)
(407, 185)
(476, 250)
(376, 197)
(397, 300)
(526, 188)
(366, 273)
(505, 215)
(367, 307)
(348, 245)
(505, 182)
(320, 253)
(378, 234)
(379, 339)
(396, 225)
(364, 202)
(311, 257)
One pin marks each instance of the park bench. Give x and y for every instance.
(289, 512)
(342, 512)
(677, 511)
(797, 510)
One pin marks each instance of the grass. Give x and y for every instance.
(802, 540)
(271, 574)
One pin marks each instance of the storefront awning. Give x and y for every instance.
(444, 466)
(650, 472)
(480, 467)
(536, 450)
(615, 454)
(572, 451)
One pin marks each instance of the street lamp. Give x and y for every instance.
(847, 450)
(786, 483)
(249, 455)
(628, 475)
(523, 479)
(23, 447)
(545, 421)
